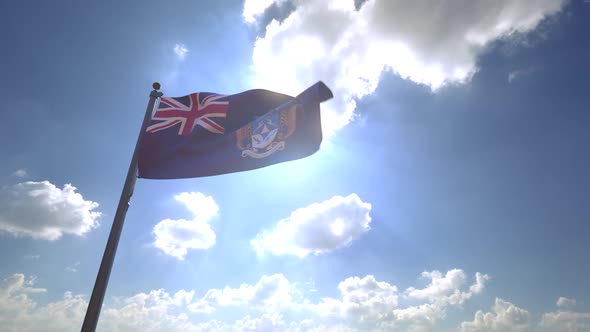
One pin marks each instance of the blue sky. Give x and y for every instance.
(450, 192)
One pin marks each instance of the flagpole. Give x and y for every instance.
(102, 278)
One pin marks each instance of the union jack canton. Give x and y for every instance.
(203, 109)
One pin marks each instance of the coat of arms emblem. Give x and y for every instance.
(267, 134)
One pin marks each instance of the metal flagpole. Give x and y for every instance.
(102, 278)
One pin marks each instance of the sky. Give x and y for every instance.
(450, 192)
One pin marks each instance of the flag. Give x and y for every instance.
(205, 134)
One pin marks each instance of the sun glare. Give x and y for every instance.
(337, 227)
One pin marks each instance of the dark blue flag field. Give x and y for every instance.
(205, 134)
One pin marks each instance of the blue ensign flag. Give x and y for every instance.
(206, 134)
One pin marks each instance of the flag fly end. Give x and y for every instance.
(324, 93)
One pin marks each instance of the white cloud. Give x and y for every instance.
(274, 304)
(505, 317)
(14, 300)
(141, 312)
(176, 237)
(202, 207)
(440, 285)
(155, 311)
(273, 291)
(180, 50)
(564, 302)
(17, 284)
(317, 229)
(254, 8)
(565, 321)
(63, 315)
(275, 322)
(361, 298)
(266, 322)
(21, 173)
(377, 303)
(73, 267)
(42, 211)
(442, 292)
(364, 304)
(447, 287)
(480, 282)
(429, 43)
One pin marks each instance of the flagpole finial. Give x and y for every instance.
(156, 86)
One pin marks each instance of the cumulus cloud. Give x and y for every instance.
(180, 50)
(442, 292)
(20, 173)
(274, 304)
(505, 317)
(17, 285)
(361, 298)
(176, 236)
(377, 304)
(43, 211)
(141, 312)
(480, 282)
(317, 229)
(15, 301)
(273, 291)
(364, 303)
(448, 287)
(440, 285)
(350, 47)
(565, 321)
(154, 311)
(564, 302)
